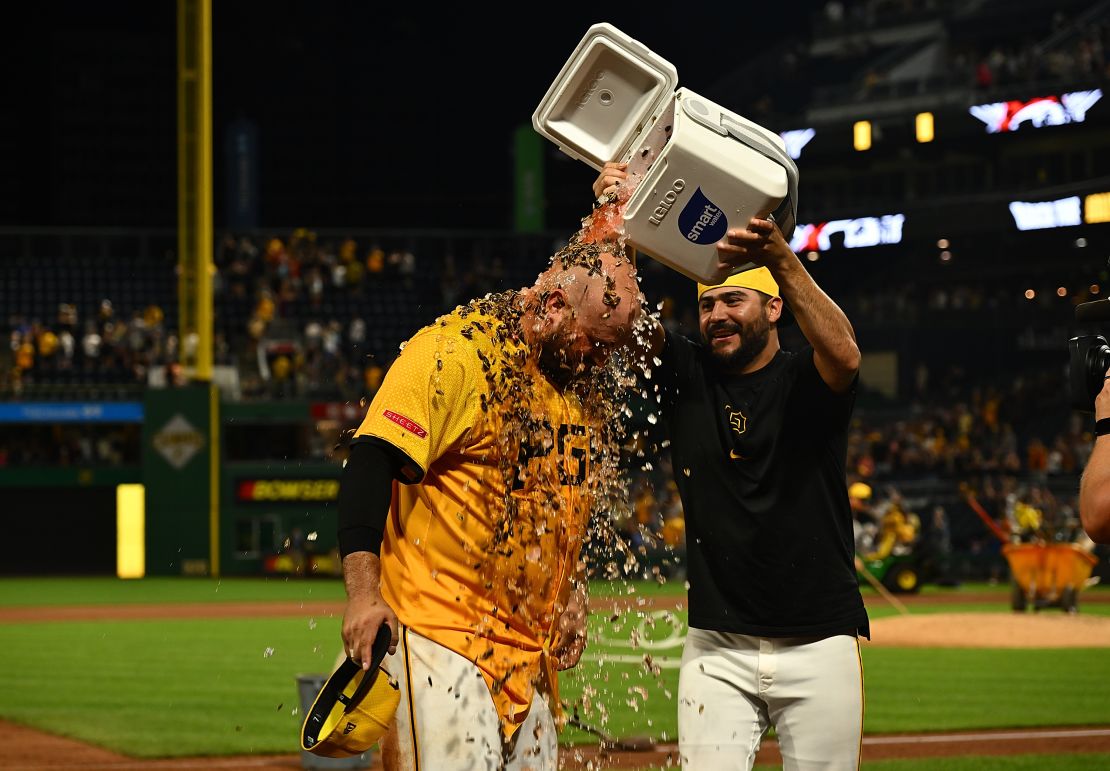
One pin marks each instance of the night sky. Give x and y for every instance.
(365, 117)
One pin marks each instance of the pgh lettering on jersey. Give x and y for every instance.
(476, 554)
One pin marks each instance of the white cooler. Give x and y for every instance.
(702, 169)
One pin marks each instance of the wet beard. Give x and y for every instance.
(554, 365)
(753, 339)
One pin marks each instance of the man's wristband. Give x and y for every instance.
(1102, 427)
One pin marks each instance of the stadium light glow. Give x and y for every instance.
(861, 135)
(130, 531)
(1096, 208)
(1061, 213)
(1001, 117)
(923, 127)
(796, 139)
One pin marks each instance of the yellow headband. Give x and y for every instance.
(758, 279)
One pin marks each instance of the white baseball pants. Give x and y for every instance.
(732, 687)
(447, 721)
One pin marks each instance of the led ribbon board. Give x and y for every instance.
(859, 232)
(1001, 117)
(1061, 213)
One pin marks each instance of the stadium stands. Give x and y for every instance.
(969, 314)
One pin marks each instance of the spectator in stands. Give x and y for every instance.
(940, 546)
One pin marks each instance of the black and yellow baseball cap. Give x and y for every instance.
(354, 707)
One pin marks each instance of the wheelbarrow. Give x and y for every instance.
(1048, 575)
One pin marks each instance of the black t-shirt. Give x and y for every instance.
(759, 462)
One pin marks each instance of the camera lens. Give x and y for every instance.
(1088, 365)
(1098, 362)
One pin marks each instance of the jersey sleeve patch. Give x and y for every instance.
(406, 423)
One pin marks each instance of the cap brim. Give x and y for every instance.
(330, 694)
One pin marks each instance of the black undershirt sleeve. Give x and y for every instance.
(365, 493)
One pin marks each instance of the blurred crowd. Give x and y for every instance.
(317, 317)
(106, 347)
(837, 15)
(1083, 58)
(994, 429)
(69, 445)
(1056, 48)
(908, 304)
(280, 327)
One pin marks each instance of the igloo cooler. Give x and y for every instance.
(701, 168)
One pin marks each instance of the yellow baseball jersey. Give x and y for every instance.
(478, 553)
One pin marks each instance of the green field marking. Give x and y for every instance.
(624, 700)
(628, 675)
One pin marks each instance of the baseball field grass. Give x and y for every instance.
(39, 592)
(164, 686)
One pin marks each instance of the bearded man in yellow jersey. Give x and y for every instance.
(497, 423)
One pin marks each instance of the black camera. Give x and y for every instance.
(1089, 357)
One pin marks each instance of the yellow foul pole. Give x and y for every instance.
(195, 235)
(194, 185)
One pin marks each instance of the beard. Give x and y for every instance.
(753, 339)
(554, 361)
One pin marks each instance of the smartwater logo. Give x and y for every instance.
(702, 221)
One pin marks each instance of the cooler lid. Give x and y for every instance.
(604, 96)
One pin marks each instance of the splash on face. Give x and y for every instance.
(590, 301)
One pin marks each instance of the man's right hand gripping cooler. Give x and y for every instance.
(698, 168)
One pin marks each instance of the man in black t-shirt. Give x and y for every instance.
(758, 443)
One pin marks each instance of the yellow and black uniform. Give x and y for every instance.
(477, 553)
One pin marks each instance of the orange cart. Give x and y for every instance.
(1048, 574)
